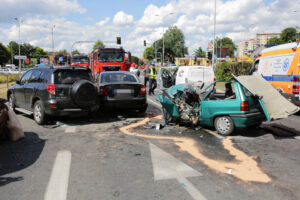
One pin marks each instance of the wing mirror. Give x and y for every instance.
(18, 81)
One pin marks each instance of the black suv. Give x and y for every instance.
(54, 91)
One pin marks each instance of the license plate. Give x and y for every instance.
(123, 91)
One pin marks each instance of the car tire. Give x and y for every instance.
(166, 117)
(39, 114)
(84, 93)
(224, 125)
(11, 102)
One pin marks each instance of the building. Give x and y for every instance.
(262, 38)
(246, 48)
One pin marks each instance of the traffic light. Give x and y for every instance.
(145, 44)
(118, 40)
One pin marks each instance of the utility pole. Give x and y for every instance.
(19, 24)
(215, 15)
(52, 29)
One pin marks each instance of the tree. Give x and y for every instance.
(14, 50)
(149, 53)
(75, 52)
(98, 44)
(289, 35)
(135, 59)
(226, 42)
(61, 52)
(39, 52)
(174, 43)
(199, 53)
(275, 40)
(4, 54)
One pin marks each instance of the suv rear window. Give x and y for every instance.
(71, 76)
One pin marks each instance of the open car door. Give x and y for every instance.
(274, 105)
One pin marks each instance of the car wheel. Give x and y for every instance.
(224, 125)
(11, 102)
(39, 113)
(166, 117)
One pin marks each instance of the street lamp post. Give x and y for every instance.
(19, 24)
(213, 54)
(52, 29)
(163, 50)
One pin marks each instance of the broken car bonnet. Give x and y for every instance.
(275, 104)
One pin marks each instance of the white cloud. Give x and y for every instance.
(122, 18)
(103, 22)
(10, 9)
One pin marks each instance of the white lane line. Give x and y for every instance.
(153, 102)
(57, 188)
(70, 129)
(165, 166)
(213, 133)
(190, 188)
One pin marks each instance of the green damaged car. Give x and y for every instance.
(247, 101)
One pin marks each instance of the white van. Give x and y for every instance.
(194, 74)
(186, 74)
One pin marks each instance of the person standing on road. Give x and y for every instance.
(152, 79)
(146, 75)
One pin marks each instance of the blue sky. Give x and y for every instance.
(135, 21)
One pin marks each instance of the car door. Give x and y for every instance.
(19, 90)
(31, 87)
(211, 107)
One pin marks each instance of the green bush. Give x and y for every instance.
(225, 69)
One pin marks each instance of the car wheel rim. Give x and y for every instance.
(223, 124)
(37, 112)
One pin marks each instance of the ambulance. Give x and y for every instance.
(280, 65)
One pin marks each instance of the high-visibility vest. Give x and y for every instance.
(152, 74)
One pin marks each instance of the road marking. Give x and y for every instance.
(244, 167)
(70, 129)
(58, 184)
(213, 133)
(297, 137)
(165, 166)
(153, 102)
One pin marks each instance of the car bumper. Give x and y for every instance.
(248, 119)
(67, 111)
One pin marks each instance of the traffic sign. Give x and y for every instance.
(60, 59)
(17, 57)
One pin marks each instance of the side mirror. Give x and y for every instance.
(18, 81)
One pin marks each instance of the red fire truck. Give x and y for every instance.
(80, 60)
(109, 59)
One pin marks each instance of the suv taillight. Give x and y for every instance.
(102, 90)
(296, 85)
(51, 89)
(143, 90)
(244, 106)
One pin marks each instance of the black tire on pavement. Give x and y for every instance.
(39, 115)
(224, 125)
(166, 117)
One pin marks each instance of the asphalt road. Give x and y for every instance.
(121, 156)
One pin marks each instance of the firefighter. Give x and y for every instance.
(152, 79)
